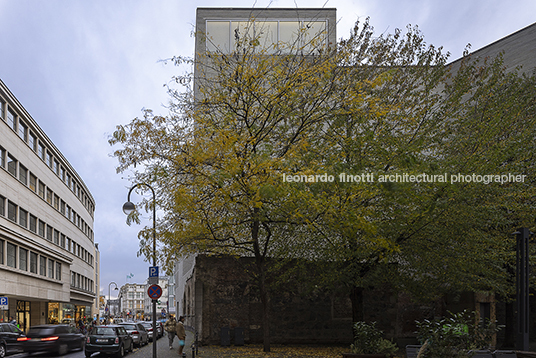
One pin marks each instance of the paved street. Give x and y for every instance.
(162, 350)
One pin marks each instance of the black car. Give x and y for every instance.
(10, 337)
(52, 338)
(113, 339)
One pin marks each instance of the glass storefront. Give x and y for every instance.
(67, 313)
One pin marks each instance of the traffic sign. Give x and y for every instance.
(4, 303)
(154, 292)
(153, 271)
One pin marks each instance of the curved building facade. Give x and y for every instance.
(48, 257)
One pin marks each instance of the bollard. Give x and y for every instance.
(193, 350)
(196, 341)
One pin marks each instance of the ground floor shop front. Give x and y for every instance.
(31, 313)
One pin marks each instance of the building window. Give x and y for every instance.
(42, 265)
(42, 228)
(49, 196)
(11, 255)
(32, 141)
(49, 159)
(56, 237)
(23, 131)
(33, 262)
(2, 157)
(12, 165)
(62, 242)
(56, 167)
(33, 223)
(11, 211)
(42, 189)
(11, 119)
(23, 175)
(62, 173)
(2, 252)
(56, 202)
(23, 218)
(285, 36)
(33, 182)
(62, 207)
(50, 268)
(2, 108)
(41, 151)
(50, 231)
(2, 206)
(23, 259)
(58, 271)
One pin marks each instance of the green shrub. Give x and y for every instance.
(455, 336)
(369, 340)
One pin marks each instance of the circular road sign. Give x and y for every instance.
(154, 292)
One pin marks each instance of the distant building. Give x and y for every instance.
(48, 257)
(132, 296)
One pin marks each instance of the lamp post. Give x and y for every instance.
(128, 208)
(110, 297)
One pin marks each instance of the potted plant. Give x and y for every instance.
(369, 342)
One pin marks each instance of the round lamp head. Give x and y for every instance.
(128, 207)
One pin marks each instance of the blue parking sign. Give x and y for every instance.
(4, 303)
(153, 271)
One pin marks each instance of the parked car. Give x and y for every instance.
(52, 338)
(10, 337)
(138, 333)
(113, 339)
(149, 328)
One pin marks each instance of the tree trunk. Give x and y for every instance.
(356, 296)
(265, 300)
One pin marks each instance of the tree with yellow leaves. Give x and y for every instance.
(251, 164)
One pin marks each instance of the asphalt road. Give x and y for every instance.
(162, 350)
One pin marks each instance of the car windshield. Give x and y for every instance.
(103, 331)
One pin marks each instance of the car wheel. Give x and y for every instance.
(131, 347)
(121, 352)
(2, 351)
(88, 354)
(63, 349)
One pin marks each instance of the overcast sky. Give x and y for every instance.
(80, 67)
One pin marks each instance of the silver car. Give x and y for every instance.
(137, 331)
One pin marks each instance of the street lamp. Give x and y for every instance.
(110, 297)
(128, 208)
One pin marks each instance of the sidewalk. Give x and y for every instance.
(162, 348)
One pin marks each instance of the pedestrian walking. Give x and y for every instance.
(181, 333)
(171, 328)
